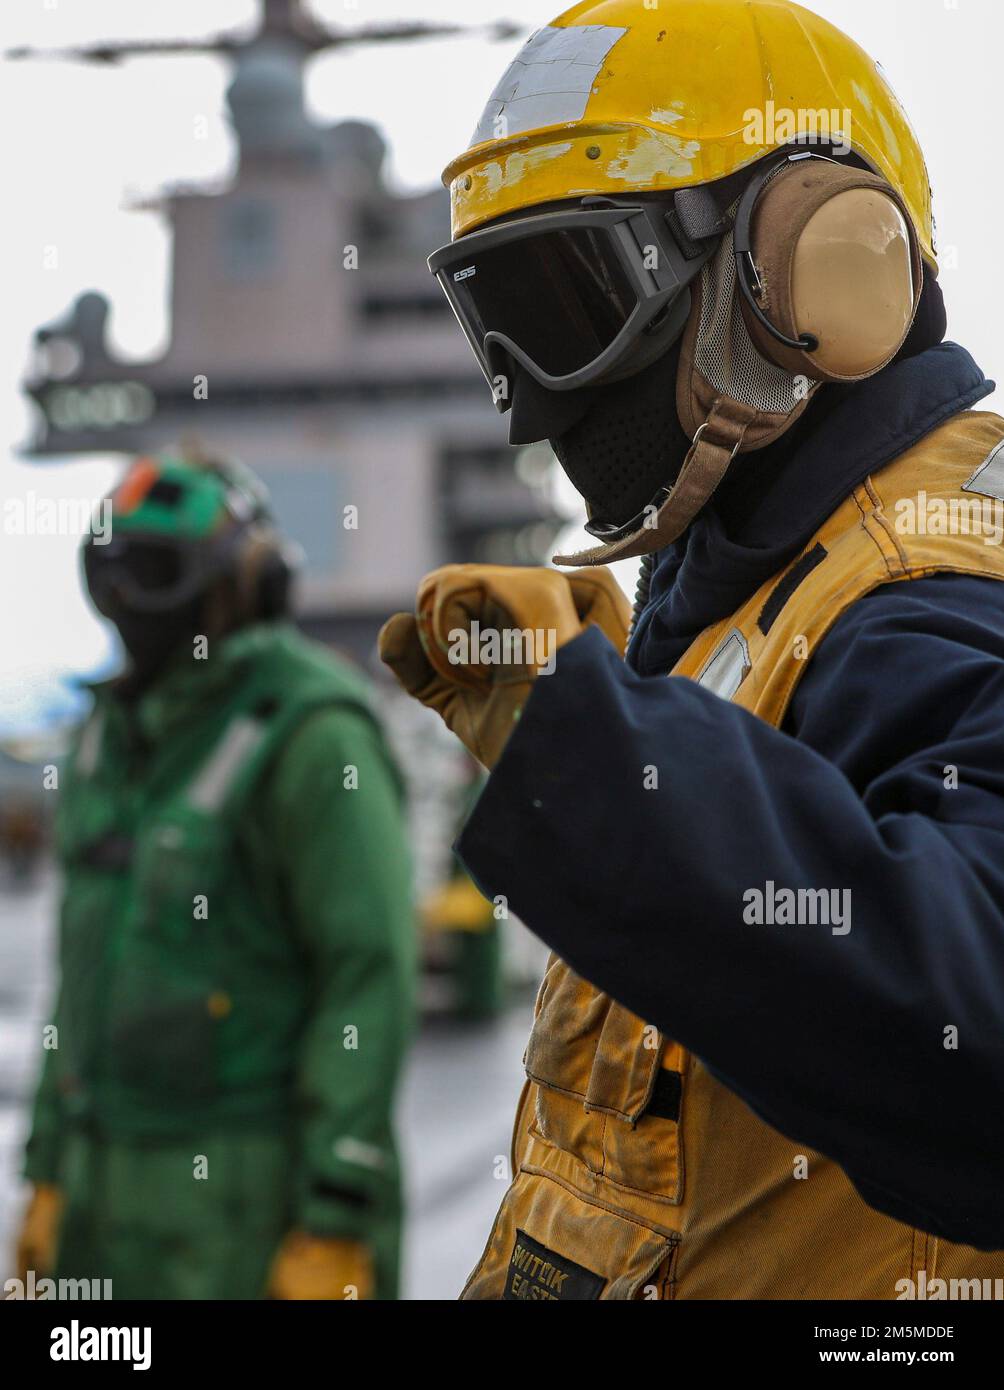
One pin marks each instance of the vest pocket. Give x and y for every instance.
(162, 1035)
(167, 999)
(568, 1020)
(551, 1244)
(597, 1067)
(584, 1045)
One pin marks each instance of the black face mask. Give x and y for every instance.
(627, 443)
(151, 641)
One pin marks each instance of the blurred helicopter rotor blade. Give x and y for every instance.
(114, 53)
(391, 33)
(314, 38)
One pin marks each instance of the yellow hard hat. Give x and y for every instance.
(631, 96)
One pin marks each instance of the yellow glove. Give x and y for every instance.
(442, 659)
(600, 600)
(321, 1267)
(457, 906)
(36, 1242)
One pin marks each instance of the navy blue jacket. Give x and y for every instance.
(838, 1041)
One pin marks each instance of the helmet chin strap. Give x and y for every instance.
(716, 444)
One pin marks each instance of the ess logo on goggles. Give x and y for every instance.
(568, 295)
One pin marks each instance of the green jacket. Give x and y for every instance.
(237, 947)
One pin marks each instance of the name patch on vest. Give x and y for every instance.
(536, 1272)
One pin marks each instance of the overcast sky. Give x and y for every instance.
(83, 143)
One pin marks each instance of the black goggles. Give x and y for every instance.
(568, 295)
(153, 574)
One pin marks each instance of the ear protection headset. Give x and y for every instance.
(266, 567)
(828, 265)
(264, 562)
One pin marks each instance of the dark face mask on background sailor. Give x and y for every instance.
(152, 641)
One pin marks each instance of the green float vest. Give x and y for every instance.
(183, 992)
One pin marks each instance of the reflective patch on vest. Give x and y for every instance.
(210, 787)
(359, 1152)
(89, 747)
(537, 1273)
(549, 81)
(726, 668)
(989, 475)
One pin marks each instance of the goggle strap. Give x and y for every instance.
(704, 210)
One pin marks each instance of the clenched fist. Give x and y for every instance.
(481, 635)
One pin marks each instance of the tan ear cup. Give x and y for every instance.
(233, 597)
(256, 551)
(837, 257)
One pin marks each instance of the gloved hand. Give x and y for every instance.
(600, 600)
(480, 701)
(36, 1242)
(321, 1267)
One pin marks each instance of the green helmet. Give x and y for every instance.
(179, 526)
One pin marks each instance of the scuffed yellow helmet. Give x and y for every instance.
(629, 96)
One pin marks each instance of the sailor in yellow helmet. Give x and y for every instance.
(693, 249)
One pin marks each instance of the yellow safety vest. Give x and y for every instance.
(637, 1174)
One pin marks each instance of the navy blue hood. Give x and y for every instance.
(774, 500)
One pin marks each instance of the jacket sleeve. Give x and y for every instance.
(41, 1162)
(881, 1046)
(42, 1149)
(339, 831)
